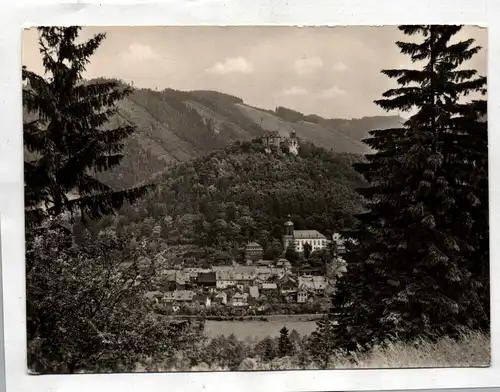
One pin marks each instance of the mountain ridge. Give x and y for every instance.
(177, 126)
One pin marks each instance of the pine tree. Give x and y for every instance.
(421, 259)
(285, 346)
(67, 141)
(323, 341)
(266, 349)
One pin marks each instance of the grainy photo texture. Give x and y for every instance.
(255, 198)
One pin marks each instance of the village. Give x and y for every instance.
(253, 285)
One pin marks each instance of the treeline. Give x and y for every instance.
(229, 352)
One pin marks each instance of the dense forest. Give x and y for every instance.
(241, 194)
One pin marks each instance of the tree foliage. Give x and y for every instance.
(85, 309)
(322, 341)
(68, 141)
(420, 260)
(230, 197)
(285, 346)
(85, 305)
(307, 250)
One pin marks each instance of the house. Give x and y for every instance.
(179, 296)
(224, 279)
(302, 296)
(278, 272)
(263, 273)
(284, 264)
(268, 286)
(240, 287)
(297, 238)
(221, 297)
(167, 280)
(339, 243)
(271, 139)
(195, 271)
(253, 291)
(239, 299)
(264, 263)
(253, 251)
(207, 279)
(287, 284)
(244, 278)
(180, 284)
(316, 284)
(202, 300)
(153, 296)
(222, 268)
(182, 279)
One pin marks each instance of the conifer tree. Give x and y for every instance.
(419, 266)
(68, 141)
(285, 346)
(323, 341)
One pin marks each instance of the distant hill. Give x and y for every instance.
(177, 126)
(240, 193)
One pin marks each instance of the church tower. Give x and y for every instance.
(293, 143)
(288, 237)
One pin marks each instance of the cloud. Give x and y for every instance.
(293, 91)
(339, 66)
(231, 65)
(332, 92)
(306, 66)
(139, 52)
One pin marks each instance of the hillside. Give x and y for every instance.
(240, 193)
(177, 126)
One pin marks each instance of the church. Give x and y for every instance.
(297, 238)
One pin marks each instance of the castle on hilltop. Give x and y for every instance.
(273, 141)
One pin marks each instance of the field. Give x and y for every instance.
(256, 329)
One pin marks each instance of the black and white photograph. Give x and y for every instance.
(255, 198)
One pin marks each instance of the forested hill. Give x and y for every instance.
(176, 126)
(240, 193)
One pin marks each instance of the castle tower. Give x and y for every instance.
(288, 237)
(293, 143)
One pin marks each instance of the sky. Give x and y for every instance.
(329, 71)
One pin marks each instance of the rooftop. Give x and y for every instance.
(180, 295)
(206, 277)
(253, 245)
(303, 234)
(313, 282)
